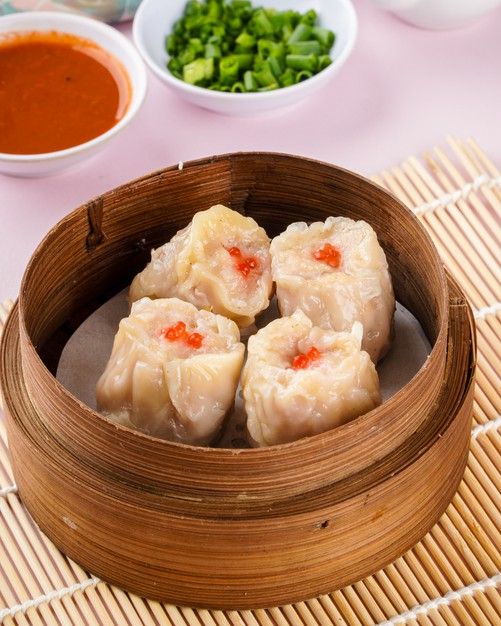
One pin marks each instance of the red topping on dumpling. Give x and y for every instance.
(174, 332)
(178, 332)
(302, 361)
(244, 268)
(328, 254)
(244, 264)
(313, 354)
(194, 340)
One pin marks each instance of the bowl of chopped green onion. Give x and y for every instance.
(238, 57)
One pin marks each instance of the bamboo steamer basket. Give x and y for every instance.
(227, 528)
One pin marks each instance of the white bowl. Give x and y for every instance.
(438, 14)
(32, 165)
(155, 19)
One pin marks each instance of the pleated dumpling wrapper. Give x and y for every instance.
(219, 262)
(173, 371)
(301, 380)
(336, 272)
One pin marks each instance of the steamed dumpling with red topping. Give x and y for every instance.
(301, 380)
(220, 262)
(336, 272)
(173, 371)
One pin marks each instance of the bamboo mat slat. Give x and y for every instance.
(451, 578)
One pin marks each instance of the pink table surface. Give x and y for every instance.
(402, 90)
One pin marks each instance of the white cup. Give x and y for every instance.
(438, 14)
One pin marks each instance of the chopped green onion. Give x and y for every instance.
(231, 46)
(291, 17)
(324, 61)
(302, 32)
(214, 11)
(238, 88)
(275, 66)
(303, 75)
(288, 78)
(305, 47)
(195, 8)
(187, 56)
(287, 31)
(267, 48)
(260, 25)
(269, 87)
(249, 81)
(245, 41)
(212, 51)
(309, 18)
(198, 71)
(219, 31)
(264, 75)
(241, 7)
(228, 70)
(324, 36)
(179, 29)
(302, 62)
(264, 47)
(175, 67)
(196, 45)
(244, 61)
(171, 44)
(235, 25)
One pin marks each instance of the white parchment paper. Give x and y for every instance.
(85, 356)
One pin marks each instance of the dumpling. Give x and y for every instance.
(300, 380)
(173, 371)
(220, 262)
(336, 272)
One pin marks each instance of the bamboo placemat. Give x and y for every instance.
(450, 578)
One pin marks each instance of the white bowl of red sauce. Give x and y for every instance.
(68, 84)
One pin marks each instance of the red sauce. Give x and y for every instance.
(178, 332)
(243, 264)
(57, 91)
(302, 361)
(328, 254)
